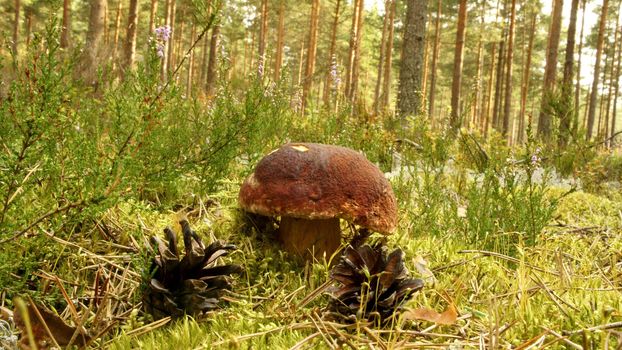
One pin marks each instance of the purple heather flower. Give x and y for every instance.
(163, 33)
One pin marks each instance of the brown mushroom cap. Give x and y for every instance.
(316, 181)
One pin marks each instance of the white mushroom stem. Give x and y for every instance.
(310, 238)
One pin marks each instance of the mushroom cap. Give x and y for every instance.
(317, 181)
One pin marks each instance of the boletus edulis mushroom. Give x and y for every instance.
(311, 187)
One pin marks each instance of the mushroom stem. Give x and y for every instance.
(310, 238)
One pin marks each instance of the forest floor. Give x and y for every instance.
(561, 291)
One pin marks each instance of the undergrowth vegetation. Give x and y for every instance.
(88, 175)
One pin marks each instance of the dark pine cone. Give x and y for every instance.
(371, 284)
(189, 285)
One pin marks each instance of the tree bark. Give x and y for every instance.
(65, 31)
(577, 90)
(610, 95)
(189, 78)
(435, 52)
(550, 70)
(263, 30)
(616, 93)
(130, 36)
(567, 98)
(211, 66)
(153, 10)
(599, 52)
(353, 43)
(94, 41)
(525, 85)
(311, 51)
(409, 97)
(28, 17)
(508, 76)
(356, 66)
(457, 71)
(330, 80)
(383, 46)
(486, 101)
(171, 43)
(280, 41)
(17, 5)
(167, 23)
(388, 64)
(496, 109)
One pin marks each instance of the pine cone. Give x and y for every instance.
(189, 285)
(372, 284)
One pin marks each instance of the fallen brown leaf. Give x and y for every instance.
(41, 318)
(447, 317)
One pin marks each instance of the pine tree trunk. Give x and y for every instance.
(153, 10)
(356, 66)
(178, 43)
(65, 31)
(457, 71)
(211, 66)
(353, 43)
(28, 15)
(300, 62)
(599, 52)
(170, 64)
(409, 97)
(330, 80)
(496, 109)
(567, 98)
(130, 36)
(383, 48)
(280, 42)
(550, 70)
(94, 41)
(167, 23)
(477, 116)
(263, 30)
(426, 59)
(435, 53)
(388, 64)
(311, 51)
(525, 84)
(616, 89)
(487, 98)
(117, 30)
(612, 71)
(508, 75)
(577, 90)
(17, 5)
(189, 78)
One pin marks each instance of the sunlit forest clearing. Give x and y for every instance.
(279, 174)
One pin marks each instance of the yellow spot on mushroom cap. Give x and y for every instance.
(300, 148)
